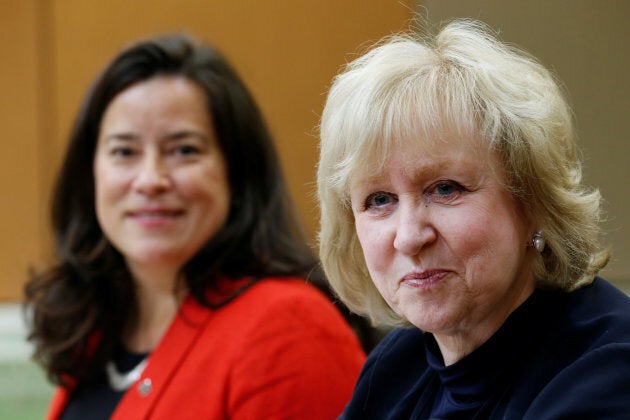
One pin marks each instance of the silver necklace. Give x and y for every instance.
(121, 381)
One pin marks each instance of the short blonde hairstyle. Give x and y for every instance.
(462, 79)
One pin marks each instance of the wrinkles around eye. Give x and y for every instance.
(378, 200)
(444, 191)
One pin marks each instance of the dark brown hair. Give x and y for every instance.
(89, 288)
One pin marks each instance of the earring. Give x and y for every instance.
(538, 241)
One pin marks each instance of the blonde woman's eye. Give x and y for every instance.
(378, 199)
(444, 191)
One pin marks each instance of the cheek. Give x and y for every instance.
(492, 240)
(217, 182)
(209, 188)
(373, 243)
(108, 185)
(101, 183)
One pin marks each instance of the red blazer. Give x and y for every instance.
(281, 350)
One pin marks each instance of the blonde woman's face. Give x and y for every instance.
(444, 242)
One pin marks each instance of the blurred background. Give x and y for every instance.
(287, 52)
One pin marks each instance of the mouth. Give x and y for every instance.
(424, 279)
(155, 213)
(154, 217)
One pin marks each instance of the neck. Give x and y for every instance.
(158, 297)
(456, 347)
(459, 344)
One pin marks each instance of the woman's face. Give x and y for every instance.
(444, 242)
(161, 179)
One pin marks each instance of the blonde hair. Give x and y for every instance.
(462, 79)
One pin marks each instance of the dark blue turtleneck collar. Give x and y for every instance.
(466, 385)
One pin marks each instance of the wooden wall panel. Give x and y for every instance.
(20, 212)
(286, 51)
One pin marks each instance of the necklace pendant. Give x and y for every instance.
(120, 382)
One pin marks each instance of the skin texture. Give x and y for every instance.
(161, 190)
(445, 243)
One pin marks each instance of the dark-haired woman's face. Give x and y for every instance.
(161, 179)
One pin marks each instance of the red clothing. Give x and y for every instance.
(279, 351)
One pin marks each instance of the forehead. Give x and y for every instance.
(159, 87)
(439, 151)
(157, 102)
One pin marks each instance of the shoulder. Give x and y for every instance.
(285, 290)
(291, 298)
(601, 295)
(596, 385)
(282, 307)
(576, 326)
(584, 353)
(596, 315)
(392, 369)
(291, 343)
(399, 357)
(399, 344)
(600, 291)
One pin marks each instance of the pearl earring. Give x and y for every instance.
(538, 241)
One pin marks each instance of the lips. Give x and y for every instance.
(424, 279)
(153, 217)
(155, 213)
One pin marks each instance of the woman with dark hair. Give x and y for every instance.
(180, 264)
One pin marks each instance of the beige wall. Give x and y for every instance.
(287, 52)
(586, 43)
(20, 170)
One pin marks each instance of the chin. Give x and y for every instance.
(158, 258)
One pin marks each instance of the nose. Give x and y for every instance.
(414, 230)
(153, 176)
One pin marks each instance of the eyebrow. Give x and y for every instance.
(181, 134)
(414, 173)
(121, 136)
(432, 167)
(174, 135)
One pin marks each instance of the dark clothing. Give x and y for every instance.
(559, 355)
(99, 397)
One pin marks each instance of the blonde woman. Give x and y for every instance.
(452, 206)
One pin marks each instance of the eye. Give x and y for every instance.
(378, 200)
(187, 150)
(444, 191)
(121, 151)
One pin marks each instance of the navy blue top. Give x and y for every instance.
(559, 355)
(99, 397)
